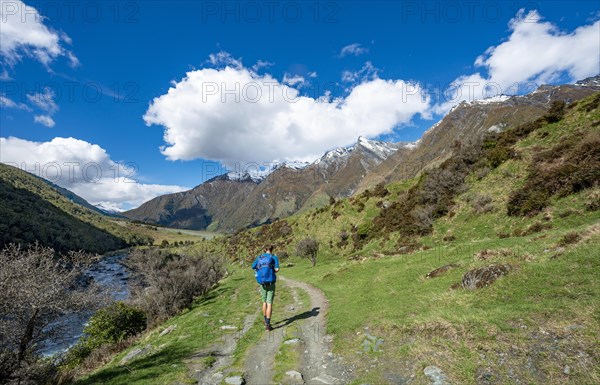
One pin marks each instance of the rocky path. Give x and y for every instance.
(223, 353)
(317, 364)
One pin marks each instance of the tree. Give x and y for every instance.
(37, 288)
(308, 248)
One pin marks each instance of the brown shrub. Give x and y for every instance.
(484, 276)
(536, 228)
(569, 239)
(167, 283)
(569, 167)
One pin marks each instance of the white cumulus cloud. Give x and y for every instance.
(537, 52)
(24, 33)
(235, 115)
(84, 168)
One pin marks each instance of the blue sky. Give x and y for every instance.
(91, 70)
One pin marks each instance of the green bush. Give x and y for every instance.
(114, 323)
(108, 326)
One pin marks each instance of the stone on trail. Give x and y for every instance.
(218, 376)
(435, 375)
(228, 327)
(325, 379)
(293, 341)
(295, 376)
(235, 380)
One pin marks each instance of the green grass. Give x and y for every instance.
(418, 316)
(286, 359)
(196, 330)
(524, 328)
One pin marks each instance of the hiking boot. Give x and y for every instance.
(268, 327)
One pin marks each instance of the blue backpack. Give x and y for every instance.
(265, 272)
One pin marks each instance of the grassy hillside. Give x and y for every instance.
(538, 323)
(31, 210)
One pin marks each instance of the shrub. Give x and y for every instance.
(556, 111)
(308, 248)
(360, 206)
(569, 167)
(482, 204)
(592, 202)
(569, 239)
(380, 191)
(167, 283)
(114, 323)
(37, 288)
(449, 238)
(536, 228)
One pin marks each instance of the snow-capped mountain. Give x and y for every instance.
(258, 194)
(375, 150)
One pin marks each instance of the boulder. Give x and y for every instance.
(484, 276)
(436, 375)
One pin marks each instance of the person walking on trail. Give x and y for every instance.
(265, 266)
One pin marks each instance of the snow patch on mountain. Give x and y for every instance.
(492, 100)
(109, 208)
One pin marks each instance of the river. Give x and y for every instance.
(110, 273)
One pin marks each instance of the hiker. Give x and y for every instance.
(265, 266)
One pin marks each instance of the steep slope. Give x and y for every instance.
(469, 121)
(33, 210)
(532, 318)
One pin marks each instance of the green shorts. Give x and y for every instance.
(267, 292)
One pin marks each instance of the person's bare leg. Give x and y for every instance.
(264, 309)
(269, 310)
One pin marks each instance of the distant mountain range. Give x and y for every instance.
(234, 200)
(237, 200)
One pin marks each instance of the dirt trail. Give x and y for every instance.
(223, 353)
(260, 359)
(319, 365)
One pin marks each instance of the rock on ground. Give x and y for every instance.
(235, 380)
(136, 353)
(484, 276)
(295, 376)
(167, 330)
(435, 375)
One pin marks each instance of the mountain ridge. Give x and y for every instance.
(244, 200)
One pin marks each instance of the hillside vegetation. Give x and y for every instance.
(486, 267)
(34, 210)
